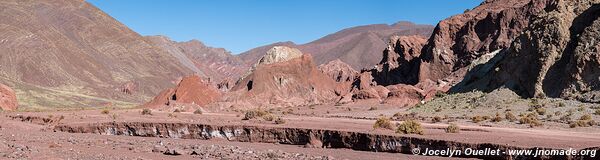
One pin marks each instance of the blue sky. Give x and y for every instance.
(239, 25)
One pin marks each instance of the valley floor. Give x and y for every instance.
(125, 134)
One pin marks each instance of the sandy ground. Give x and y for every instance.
(37, 141)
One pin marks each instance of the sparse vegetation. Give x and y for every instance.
(510, 116)
(383, 122)
(372, 108)
(581, 108)
(531, 119)
(410, 127)
(171, 115)
(440, 94)
(251, 114)
(597, 112)
(269, 117)
(452, 128)
(280, 121)
(198, 111)
(586, 117)
(105, 111)
(477, 119)
(146, 111)
(436, 119)
(497, 118)
(584, 121)
(177, 110)
(540, 111)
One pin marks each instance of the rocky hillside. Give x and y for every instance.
(214, 64)
(283, 77)
(67, 53)
(462, 39)
(556, 56)
(190, 94)
(360, 47)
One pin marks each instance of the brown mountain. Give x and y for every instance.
(59, 53)
(556, 56)
(360, 47)
(215, 64)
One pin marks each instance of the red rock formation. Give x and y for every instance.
(190, 90)
(366, 43)
(339, 71)
(460, 39)
(397, 65)
(284, 82)
(556, 56)
(8, 99)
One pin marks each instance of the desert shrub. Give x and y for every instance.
(540, 111)
(566, 118)
(549, 116)
(581, 108)
(452, 128)
(383, 122)
(280, 121)
(171, 115)
(436, 119)
(531, 119)
(269, 117)
(146, 111)
(486, 117)
(584, 121)
(198, 111)
(410, 127)
(251, 114)
(586, 117)
(561, 104)
(440, 94)
(438, 109)
(477, 119)
(597, 112)
(557, 113)
(497, 118)
(510, 116)
(105, 111)
(177, 110)
(372, 108)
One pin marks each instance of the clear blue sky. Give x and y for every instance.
(239, 25)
